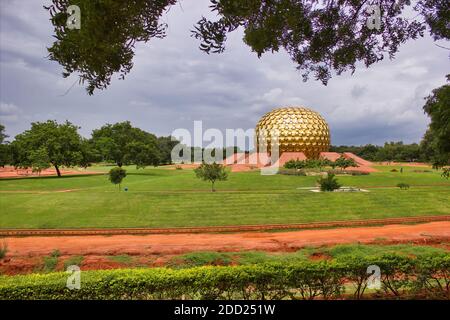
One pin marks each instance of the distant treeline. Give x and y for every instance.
(391, 151)
(51, 144)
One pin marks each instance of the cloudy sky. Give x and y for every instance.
(173, 83)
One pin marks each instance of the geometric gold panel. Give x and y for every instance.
(299, 129)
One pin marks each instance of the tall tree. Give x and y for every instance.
(116, 175)
(436, 141)
(5, 150)
(166, 145)
(59, 144)
(124, 144)
(320, 36)
(211, 172)
(3, 135)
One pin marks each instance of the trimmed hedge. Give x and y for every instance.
(401, 276)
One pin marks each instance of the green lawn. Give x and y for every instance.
(159, 197)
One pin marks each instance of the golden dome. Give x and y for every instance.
(299, 130)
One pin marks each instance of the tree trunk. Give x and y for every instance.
(57, 171)
(212, 187)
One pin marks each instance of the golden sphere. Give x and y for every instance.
(299, 130)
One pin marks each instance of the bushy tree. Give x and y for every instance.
(5, 150)
(211, 172)
(343, 163)
(295, 164)
(39, 160)
(116, 175)
(321, 37)
(436, 141)
(3, 135)
(166, 145)
(124, 144)
(57, 144)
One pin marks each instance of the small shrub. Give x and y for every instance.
(328, 183)
(49, 262)
(55, 253)
(403, 186)
(295, 164)
(394, 170)
(116, 175)
(211, 172)
(178, 168)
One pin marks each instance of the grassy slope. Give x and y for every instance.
(164, 198)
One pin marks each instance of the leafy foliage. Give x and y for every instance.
(321, 37)
(320, 163)
(211, 172)
(403, 186)
(5, 150)
(124, 144)
(105, 43)
(401, 276)
(116, 175)
(328, 183)
(344, 163)
(3, 135)
(166, 145)
(50, 144)
(437, 139)
(390, 151)
(39, 160)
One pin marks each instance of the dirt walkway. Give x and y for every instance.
(181, 243)
(26, 255)
(11, 172)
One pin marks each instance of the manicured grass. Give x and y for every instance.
(159, 197)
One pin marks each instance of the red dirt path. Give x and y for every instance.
(10, 172)
(24, 252)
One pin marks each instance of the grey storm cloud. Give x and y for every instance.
(173, 83)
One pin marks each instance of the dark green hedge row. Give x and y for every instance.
(401, 276)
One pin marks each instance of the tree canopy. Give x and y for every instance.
(116, 175)
(320, 36)
(3, 135)
(436, 141)
(49, 144)
(124, 144)
(211, 172)
(5, 150)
